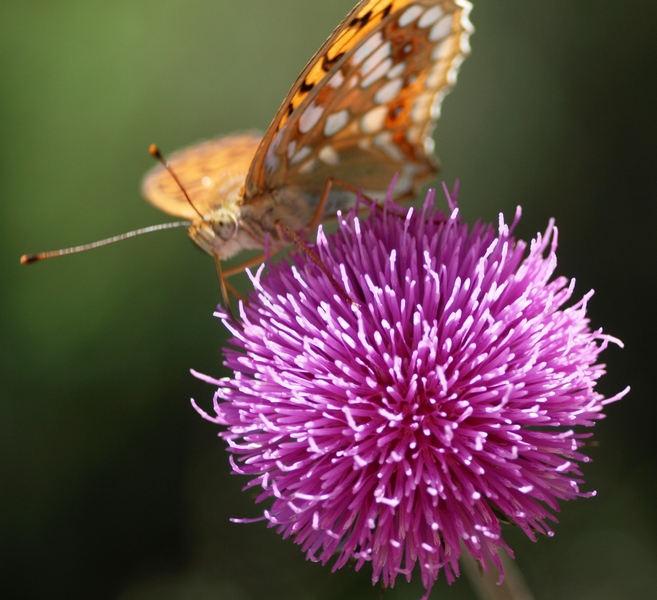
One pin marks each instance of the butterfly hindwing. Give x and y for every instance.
(208, 171)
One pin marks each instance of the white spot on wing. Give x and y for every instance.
(436, 76)
(291, 148)
(435, 106)
(453, 72)
(299, 156)
(414, 134)
(429, 145)
(409, 16)
(382, 52)
(466, 24)
(335, 122)
(373, 120)
(328, 155)
(421, 107)
(384, 142)
(367, 48)
(388, 91)
(396, 71)
(271, 160)
(465, 44)
(444, 50)
(441, 29)
(309, 118)
(377, 73)
(336, 80)
(308, 166)
(430, 17)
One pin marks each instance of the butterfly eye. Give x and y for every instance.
(223, 223)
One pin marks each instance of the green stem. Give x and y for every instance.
(485, 585)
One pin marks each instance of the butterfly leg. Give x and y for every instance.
(252, 262)
(323, 199)
(284, 230)
(222, 281)
(226, 287)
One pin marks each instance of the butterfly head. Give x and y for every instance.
(218, 232)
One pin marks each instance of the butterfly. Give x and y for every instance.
(361, 111)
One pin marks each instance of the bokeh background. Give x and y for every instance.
(112, 487)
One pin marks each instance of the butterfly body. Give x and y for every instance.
(362, 111)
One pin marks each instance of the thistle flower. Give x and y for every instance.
(408, 424)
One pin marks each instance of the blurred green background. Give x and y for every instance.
(112, 486)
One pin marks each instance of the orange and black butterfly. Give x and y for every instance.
(362, 111)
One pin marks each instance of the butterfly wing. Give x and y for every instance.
(366, 104)
(210, 172)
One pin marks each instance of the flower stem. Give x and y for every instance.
(485, 584)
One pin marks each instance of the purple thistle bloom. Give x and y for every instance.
(394, 429)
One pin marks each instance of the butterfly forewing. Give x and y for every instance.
(365, 106)
(362, 111)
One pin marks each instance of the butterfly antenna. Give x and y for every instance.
(27, 259)
(225, 286)
(154, 151)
